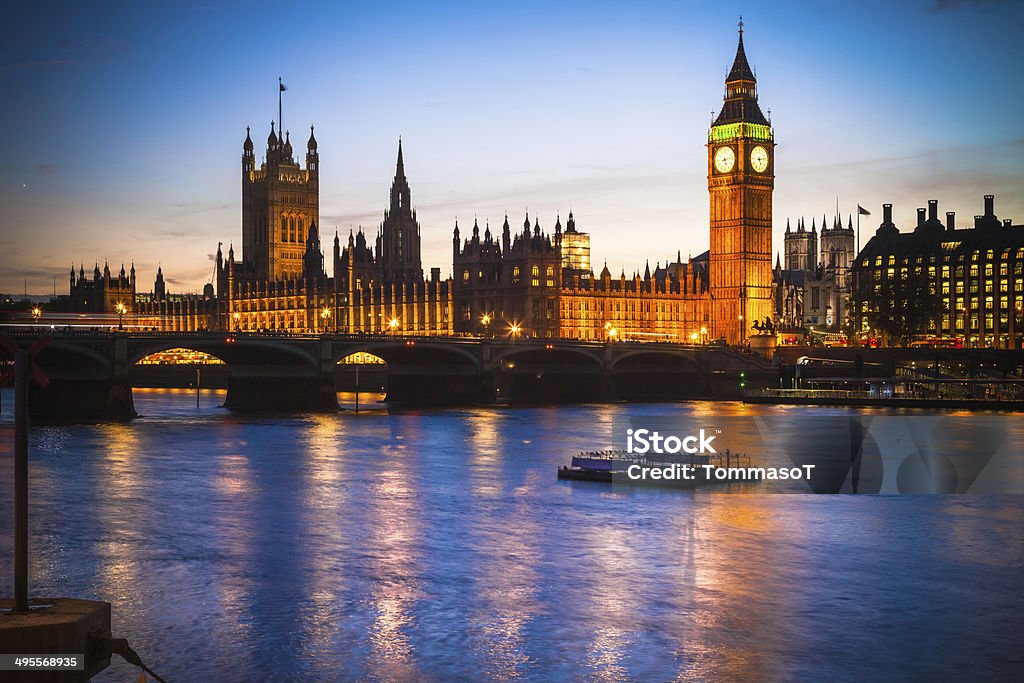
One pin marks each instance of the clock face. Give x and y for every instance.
(725, 159)
(759, 159)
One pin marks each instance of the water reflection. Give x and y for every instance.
(394, 563)
(440, 546)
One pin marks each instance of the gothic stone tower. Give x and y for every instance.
(398, 244)
(741, 177)
(280, 201)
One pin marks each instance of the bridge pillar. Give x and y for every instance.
(488, 388)
(92, 393)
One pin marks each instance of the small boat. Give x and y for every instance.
(663, 470)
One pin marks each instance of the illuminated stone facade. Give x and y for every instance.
(976, 273)
(741, 178)
(812, 286)
(526, 282)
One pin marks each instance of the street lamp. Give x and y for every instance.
(703, 335)
(238, 318)
(693, 338)
(393, 324)
(612, 333)
(485, 320)
(325, 314)
(36, 313)
(514, 329)
(121, 310)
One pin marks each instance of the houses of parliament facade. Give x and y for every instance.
(524, 280)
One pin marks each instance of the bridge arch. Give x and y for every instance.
(231, 350)
(549, 353)
(58, 353)
(397, 352)
(637, 357)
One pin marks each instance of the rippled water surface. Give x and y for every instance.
(440, 546)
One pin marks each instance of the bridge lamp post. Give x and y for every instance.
(325, 314)
(693, 338)
(703, 335)
(393, 325)
(514, 329)
(485, 320)
(121, 310)
(36, 313)
(612, 334)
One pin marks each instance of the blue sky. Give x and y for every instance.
(123, 122)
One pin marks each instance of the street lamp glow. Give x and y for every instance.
(121, 309)
(486, 319)
(693, 337)
(393, 324)
(514, 329)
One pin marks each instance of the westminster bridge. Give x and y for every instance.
(90, 372)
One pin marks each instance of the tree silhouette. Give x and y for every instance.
(904, 305)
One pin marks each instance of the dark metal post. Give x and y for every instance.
(21, 481)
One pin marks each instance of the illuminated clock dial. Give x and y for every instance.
(759, 159)
(725, 159)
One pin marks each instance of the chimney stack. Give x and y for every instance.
(920, 217)
(933, 210)
(951, 221)
(1007, 222)
(990, 205)
(886, 213)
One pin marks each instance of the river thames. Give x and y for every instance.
(439, 546)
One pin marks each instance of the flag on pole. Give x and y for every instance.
(283, 87)
(861, 211)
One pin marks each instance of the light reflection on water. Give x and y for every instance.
(440, 546)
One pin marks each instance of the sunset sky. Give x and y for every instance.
(123, 122)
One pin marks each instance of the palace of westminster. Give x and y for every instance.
(537, 283)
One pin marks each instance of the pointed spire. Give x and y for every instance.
(647, 270)
(740, 66)
(400, 166)
(787, 226)
(814, 227)
(849, 224)
(778, 262)
(247, 145)
(311, 143)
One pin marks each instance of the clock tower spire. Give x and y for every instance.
(741, 178)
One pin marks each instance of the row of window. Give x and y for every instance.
(990, 255)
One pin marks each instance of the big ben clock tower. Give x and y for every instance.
(741, 177)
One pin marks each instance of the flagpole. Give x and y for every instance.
(280, 89)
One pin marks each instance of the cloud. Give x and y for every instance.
(193, 208)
